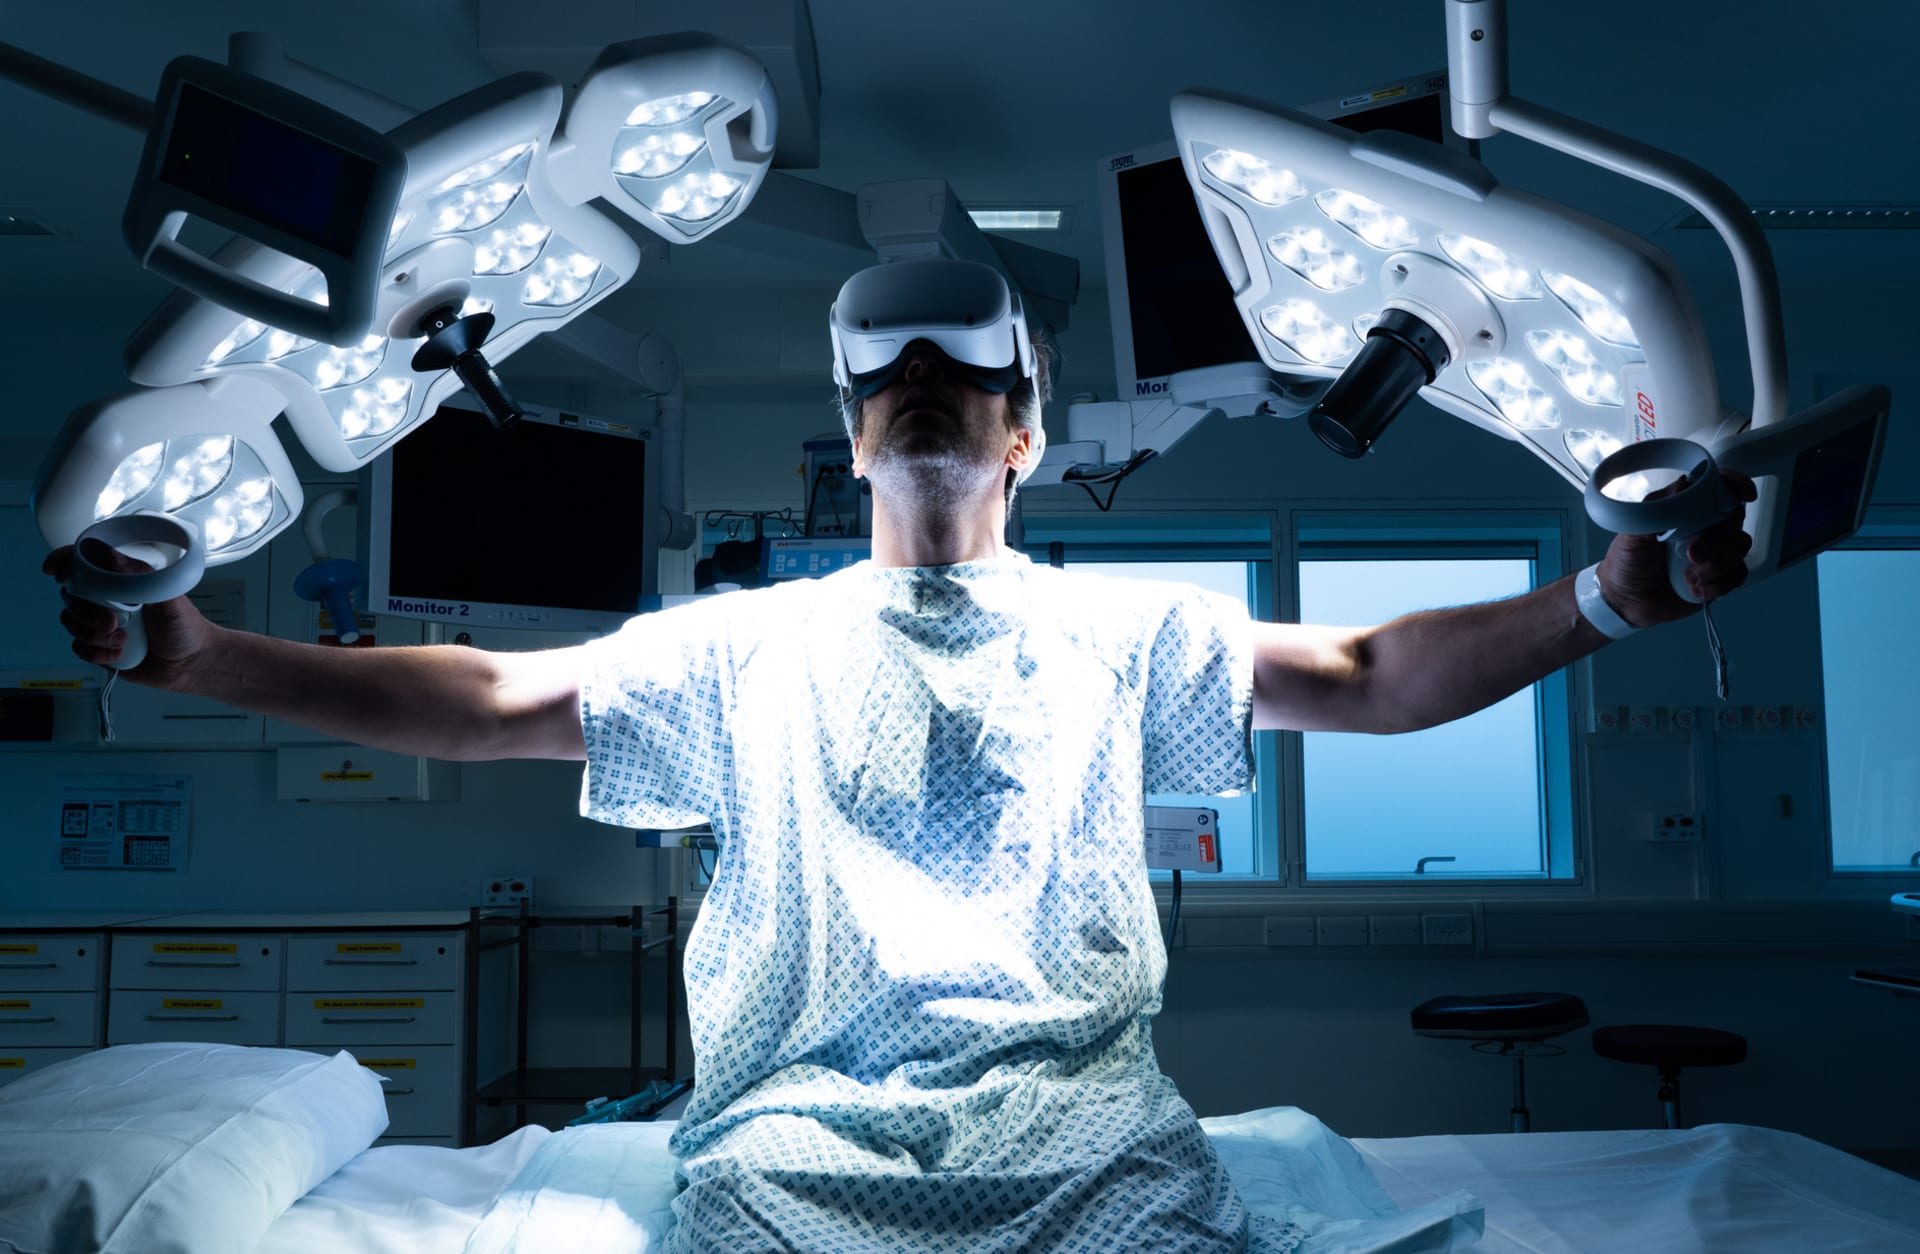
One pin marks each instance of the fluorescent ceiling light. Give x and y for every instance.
(1018, 219)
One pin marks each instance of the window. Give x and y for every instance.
(1240, 828)
(1485, 797)
(1873, 752)
(1229, 555)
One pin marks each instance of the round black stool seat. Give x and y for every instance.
(1669, 1046)
(1500, 1016)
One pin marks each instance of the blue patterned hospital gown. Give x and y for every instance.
(921, 982)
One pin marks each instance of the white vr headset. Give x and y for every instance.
(963, 308)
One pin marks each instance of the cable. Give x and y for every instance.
(106, 706)
(1114, 477)
(1173, 914)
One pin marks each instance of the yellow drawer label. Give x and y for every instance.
(19, 949)
(369, 1003)
(346, 777)
(16, 1004)
(367, 947)
(388, 1064)
(192, 1003)
(13, 1064)
(176, 947)
(43, 685)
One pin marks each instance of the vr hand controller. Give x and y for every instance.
(1813, 474)
(1699, 501)
(170, 545)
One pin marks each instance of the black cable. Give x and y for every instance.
(1113, 477)
(1173, 914)
(813, 494)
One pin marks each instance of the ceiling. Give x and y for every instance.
(1016, 101)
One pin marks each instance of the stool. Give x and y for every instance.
(1513, 1025)
(1670, 1047)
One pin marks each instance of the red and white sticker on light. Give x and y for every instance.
(1641, 410)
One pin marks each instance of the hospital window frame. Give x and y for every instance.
(1886, 529)
(1184, 535)
(1537, 533)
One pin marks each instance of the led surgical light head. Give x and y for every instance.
(963, 308)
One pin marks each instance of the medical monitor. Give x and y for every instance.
(1171, 307)
(546, 525)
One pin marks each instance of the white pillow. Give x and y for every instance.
(166, 1148)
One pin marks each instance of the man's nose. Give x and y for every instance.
(924, 361)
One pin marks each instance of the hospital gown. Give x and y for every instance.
(921, 982)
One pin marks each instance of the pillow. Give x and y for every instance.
(172, 1147)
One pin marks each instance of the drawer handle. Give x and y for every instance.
(192, 1018)
(36, 1019)
(163, 962)
(369, 962)
(396, 1092)
(28, 966)
(373, 1019)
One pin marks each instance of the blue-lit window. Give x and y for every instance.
(1486, 797)
(1240, 828)
(1230, 555)
(1868, 671)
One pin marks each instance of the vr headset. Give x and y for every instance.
(963, 308)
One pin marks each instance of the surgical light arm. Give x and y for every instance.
(1788, 462)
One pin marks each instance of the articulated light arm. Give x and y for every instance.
(1482, 108)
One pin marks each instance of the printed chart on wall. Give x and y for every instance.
(124, 822)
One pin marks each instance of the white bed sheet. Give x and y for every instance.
(1718, 1187)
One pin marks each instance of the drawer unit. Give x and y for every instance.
(41, 1019)
(15, 1063)
(49, 963)
(346, 1020)
(422, 1087)
(220, 1017)
(212, 961)
(349, 961)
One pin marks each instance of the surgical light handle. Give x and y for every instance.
(1482, 108)
(125, 592)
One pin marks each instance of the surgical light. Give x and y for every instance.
(676, 131)
(203, 454)
(493, 220)
(1466, 284)
(1310, 254)
(1525, 317)
(477, 216)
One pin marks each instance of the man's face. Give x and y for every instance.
(932, 428)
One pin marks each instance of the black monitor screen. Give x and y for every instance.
(1178, 298)
(1183, 312)
(266, 170)
(1824, 503)
(536, 515)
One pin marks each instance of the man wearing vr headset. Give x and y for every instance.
(921, 982)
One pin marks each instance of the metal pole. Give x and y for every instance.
(90, 95)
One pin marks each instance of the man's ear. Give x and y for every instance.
(859, 465)
(1021, 453)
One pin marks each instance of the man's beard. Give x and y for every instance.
(934, 468)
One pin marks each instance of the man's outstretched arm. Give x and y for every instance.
(1431, 667)
(443, 701)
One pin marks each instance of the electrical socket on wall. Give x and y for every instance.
(506, 890)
